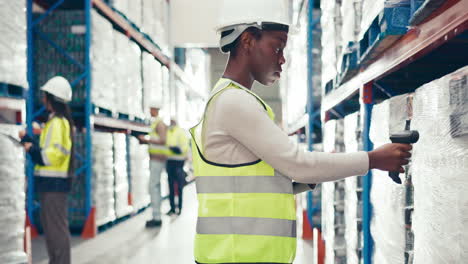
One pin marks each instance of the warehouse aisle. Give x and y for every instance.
(131, 243)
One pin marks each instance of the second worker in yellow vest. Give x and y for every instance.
(178, 144)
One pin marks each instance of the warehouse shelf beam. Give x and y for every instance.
(119, 124)
(450, 20)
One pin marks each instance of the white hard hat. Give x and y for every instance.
(58, 87)
(238, 15)
(155, 104)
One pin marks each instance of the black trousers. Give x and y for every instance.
(54, 219)
(176, 175)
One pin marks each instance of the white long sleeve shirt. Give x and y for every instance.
(237, 130)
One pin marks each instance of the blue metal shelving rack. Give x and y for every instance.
(313, 113)
(90, 120)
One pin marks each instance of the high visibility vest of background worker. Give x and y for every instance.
(244, 163)
(53, 168)
(158, 154)
(178, 143)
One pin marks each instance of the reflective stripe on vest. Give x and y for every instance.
(154, 148)
(246, 212)
(55, 144)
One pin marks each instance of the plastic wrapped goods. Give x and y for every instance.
(139, 174)
(352, 209)
(13, 43)
(328, 194)
(12, 197)
(387, 198)
(134, 85)
(128, 76)
(329, 44)
(372, 8)
(351, 15)
(440, 169)
(102, 56)
(103, 177)
(152, 81)
(122, 207)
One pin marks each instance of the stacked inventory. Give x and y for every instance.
(121, 185)
(12, 196)
(351, 16)
(103, 177)
(13, 43)
(128, 76)
(139, 174)
(353, 194)
(440, 169)
(333, 200)
(152, 81)
(155, 22)
(103, 58)
(328, 21)
(387, 197)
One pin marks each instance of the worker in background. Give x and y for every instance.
(178, 143)
(53, 168)
(245, 165)
(158, 155)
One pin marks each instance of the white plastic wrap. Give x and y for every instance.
(122, 100)
(13, 43)
(387, 197)
(352, 207)
(140, 174)
(329, 43)
(122, 5)
(328, 197)
(351, 15)
(296, 84)
(440, 170)
(12, 197)
(152, 81)
(129, 89)
(155, 22)
(134, 85)
(121, 186)
(103, 177)
(134, 12)
(372, 8)
(103, 57)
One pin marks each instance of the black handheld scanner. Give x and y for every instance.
(403, 137)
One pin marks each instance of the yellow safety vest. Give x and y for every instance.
(176, 137)
(246, 212)
(154, 148)
(55, 144)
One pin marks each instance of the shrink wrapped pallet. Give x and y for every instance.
(121, 186)
(328, 196)
(152, 81)
(12, 197)
(102, 57)
(13, 43)
(139, 174)
(353, 204)
(387, 198)
(440, 169)
(103, 177)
